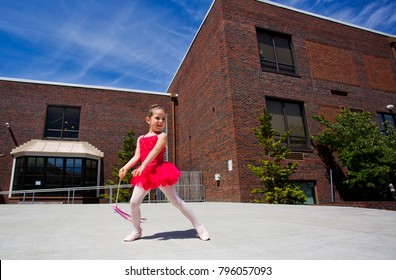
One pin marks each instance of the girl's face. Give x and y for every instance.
(157, 121)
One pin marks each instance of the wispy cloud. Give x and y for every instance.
(195, 9)
(133, 44)
(378, 15)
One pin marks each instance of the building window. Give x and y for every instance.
(276, 52)
(54, 172)
(309, 190)
(62, 122)
(289, 116)
(73, 172)
(91, 172)
(34, 170)
(386, 118)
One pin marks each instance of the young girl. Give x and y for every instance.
(155, 173)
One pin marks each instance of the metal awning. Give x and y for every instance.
(56, 148)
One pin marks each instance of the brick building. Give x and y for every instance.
(246, 56)
(249, 55)
(63, 135)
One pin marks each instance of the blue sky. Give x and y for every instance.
(129, 43)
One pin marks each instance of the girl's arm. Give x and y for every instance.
(161, 142)
(132, 162)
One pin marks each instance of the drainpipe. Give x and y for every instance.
(12, 135)
(332, 186)
(174, 104)
(5, 142)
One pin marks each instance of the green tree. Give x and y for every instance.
(124, 155)
(366, 154)
(274, 170)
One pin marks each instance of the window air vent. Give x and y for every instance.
(356, 110)
(296, 156)
(339, 92)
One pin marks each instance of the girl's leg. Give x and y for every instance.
(172, 195)
(137, 197)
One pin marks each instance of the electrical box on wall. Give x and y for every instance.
(230, 165)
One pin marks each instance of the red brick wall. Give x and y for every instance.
(106, 117)
(222, 89)
(379, 72)
(332, 63)
(205, 122)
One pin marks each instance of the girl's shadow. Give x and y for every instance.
(180, 234)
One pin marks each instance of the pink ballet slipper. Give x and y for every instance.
(203, 234)
(133, 236)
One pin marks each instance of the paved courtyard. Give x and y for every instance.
(239, 231)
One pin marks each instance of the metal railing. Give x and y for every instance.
(189, 187)
(26, 194)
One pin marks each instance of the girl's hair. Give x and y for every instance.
(154, 107)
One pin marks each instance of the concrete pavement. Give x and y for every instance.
(239, 231)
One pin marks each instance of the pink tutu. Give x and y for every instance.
(158, 173)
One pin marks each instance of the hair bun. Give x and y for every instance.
(154, 107)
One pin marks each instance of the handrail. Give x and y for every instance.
(71, 191)
(68, 190)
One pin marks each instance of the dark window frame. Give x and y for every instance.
(381, 120)
(60, 172)
(59, 128)
(278, 66)
(309, 189)
(307, 146)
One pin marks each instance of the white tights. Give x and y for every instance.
(171, 194)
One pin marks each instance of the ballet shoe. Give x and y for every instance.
(202, 233)
(133, 236)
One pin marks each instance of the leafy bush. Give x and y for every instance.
(366, 154)
(273, 170)
(124, 155)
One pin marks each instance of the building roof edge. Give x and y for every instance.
(81, 86)
(325, 17)
(189, 47)
(281, 6)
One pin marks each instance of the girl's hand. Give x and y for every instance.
(122, 173)
(138, 171)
